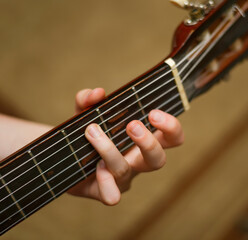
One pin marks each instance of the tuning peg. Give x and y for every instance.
(197, 10)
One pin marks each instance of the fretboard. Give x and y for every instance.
(51, 165)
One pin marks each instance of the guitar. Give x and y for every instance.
(205, 47)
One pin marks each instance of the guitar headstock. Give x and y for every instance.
(208, 43)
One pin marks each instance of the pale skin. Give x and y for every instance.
(115, 171)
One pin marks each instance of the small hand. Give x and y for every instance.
(115, 171)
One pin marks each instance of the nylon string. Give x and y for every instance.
(88, 143)
(96, 117)
(122, 140)
(92, 151)
(78, 171)
(193, 53)
(145, 106)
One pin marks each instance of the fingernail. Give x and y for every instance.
(94, 130)
(137, 130)
(156, 116)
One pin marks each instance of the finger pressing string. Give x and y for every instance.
(152, 153)
(170, 132)
(108, 190)
(114, 160)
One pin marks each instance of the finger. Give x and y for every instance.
(171, 133)
(113, 159)
(88, 97)
(151, 150)
(108, 190)
(87, 188)
(80, 99)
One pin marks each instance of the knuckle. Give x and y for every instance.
(149, 146)
(104, 178)
(122, 172)
(106, 147)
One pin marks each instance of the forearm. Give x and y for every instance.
(16, 133)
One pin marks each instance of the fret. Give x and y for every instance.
(142, 108)
(25, 182)
(57, 162)
(103, 123)
(84, 150)
(41, 173)
(7, 202)
(73, 151)
(10, 193)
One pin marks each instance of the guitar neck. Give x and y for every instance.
(49, 166)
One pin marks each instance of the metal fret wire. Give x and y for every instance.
(184, 59)
(147, 115)
(80, 178)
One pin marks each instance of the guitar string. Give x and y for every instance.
(87, 144)
(202, 43)
(79, 169)
(117, 112)
(133, 94)
(193, 52)
(61, 161)
(90, 172)
(208, 49)
(76, 162)
(45, 203)
(164, 94)
(76, 172)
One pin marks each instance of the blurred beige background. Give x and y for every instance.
(51, 49)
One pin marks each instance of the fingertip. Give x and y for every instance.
(94, 131)
(135, 129)
(109, 192)
(81, 97)
(169, 126)
(165, 120)
(113, 200)
(96, 95)
(82, 93)
(157, 116)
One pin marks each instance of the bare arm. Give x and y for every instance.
(16, 133)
